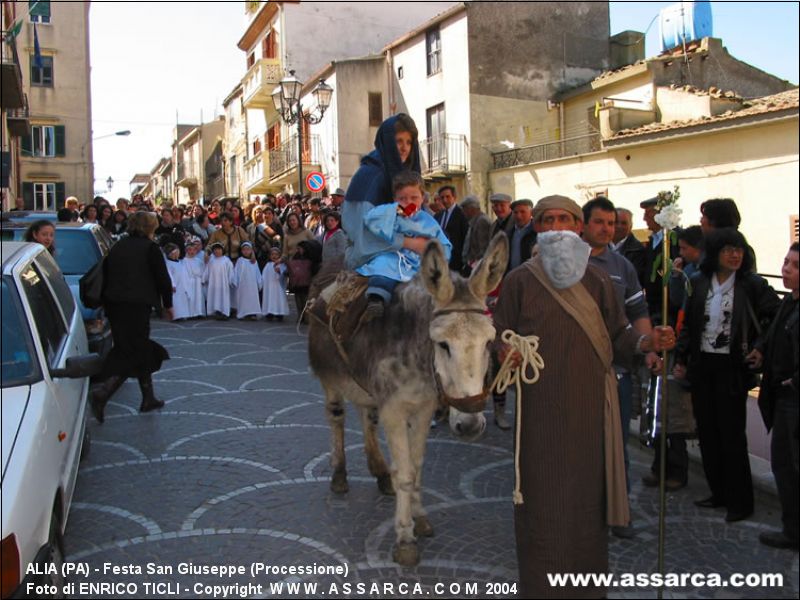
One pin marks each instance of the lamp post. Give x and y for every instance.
(286, 98)
(126, 132)
(109, 183)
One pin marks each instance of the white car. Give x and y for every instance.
(45, 380)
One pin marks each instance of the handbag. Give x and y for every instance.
(90, 286)
(299, 273)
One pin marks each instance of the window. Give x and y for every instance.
(251, 59)
(42, 76)
(433, 47)
(17, 352)
(437, 147)
(375, 109)
(233, 176)
(43, 196)
(56, 280)
(45, 141)
(49, 323)
(39, 11)
(269, 47)
(77, 251)
(274, 136)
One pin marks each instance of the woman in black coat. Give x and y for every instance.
(135, 280)
(729, 307)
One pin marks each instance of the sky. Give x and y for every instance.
(154, 63)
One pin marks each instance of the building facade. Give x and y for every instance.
(14, 121)
(56, 156)
(282, 36)
(197, 157)
(237, 173)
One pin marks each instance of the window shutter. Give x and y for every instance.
(61, 194)
(27, 194)
(375, 109)
(27, 144)
(39, 8)
(61, 143)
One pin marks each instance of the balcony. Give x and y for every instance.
(444, 155)
(258, 83)
(283, 160)
(11, 89)
(17, 119)
(527, 155)
(256, 174)
(187, 175)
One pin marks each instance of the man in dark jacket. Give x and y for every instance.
(501, 207)
(778, 401)
(523, 236)
(626, 243)
(455, 225)
(170, 232)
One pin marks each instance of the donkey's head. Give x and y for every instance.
(462, 334)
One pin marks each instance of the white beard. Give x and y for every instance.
(564, 257)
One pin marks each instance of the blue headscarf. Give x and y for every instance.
(373, 181)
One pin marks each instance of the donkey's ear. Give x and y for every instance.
(436, 274)
(491, 268)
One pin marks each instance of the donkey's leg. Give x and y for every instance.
(334, 409)
(375, 461)
(395, 424)
(419, 427)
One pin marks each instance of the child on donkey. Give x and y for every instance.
(402, 217)
(274, 304)
(248, 280)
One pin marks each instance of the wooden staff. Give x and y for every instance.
(664, 404)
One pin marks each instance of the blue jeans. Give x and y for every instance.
(381, 286)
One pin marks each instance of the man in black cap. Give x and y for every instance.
(523, 237)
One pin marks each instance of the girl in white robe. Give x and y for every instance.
(275, 304)
(180, 301)
(219, 276)
(248, 284)
(193, 267)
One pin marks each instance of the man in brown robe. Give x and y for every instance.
(570, 454)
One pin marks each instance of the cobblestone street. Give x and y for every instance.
(234, 471)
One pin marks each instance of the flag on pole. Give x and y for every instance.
(37, 51)
(15, 29)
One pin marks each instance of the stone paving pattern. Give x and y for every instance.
(234, 470)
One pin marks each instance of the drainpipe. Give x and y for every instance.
(390, 81)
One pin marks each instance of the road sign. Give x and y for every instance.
(315, 181)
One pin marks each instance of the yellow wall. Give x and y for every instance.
(757, 166)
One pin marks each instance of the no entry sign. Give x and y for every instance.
(315, 181)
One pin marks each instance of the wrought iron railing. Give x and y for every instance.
(550, 151)
(284, 157)
(445, 153)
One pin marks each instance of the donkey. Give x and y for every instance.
(431, 345)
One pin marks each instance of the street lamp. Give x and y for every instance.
(126, 132)
(286, 98)
(109, 183)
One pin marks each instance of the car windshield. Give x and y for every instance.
(76, 251)
(17, 351)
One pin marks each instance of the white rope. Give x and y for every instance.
(528, 349)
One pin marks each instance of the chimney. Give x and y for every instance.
(626, 48)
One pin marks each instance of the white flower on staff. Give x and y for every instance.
(670, 217)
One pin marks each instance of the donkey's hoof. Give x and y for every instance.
(339, 483)
(385, 484)
(406, 554)
(422, 527)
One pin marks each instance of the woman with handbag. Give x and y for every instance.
(724, 315)
(135, 280)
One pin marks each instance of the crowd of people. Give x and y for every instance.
(577, 277)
